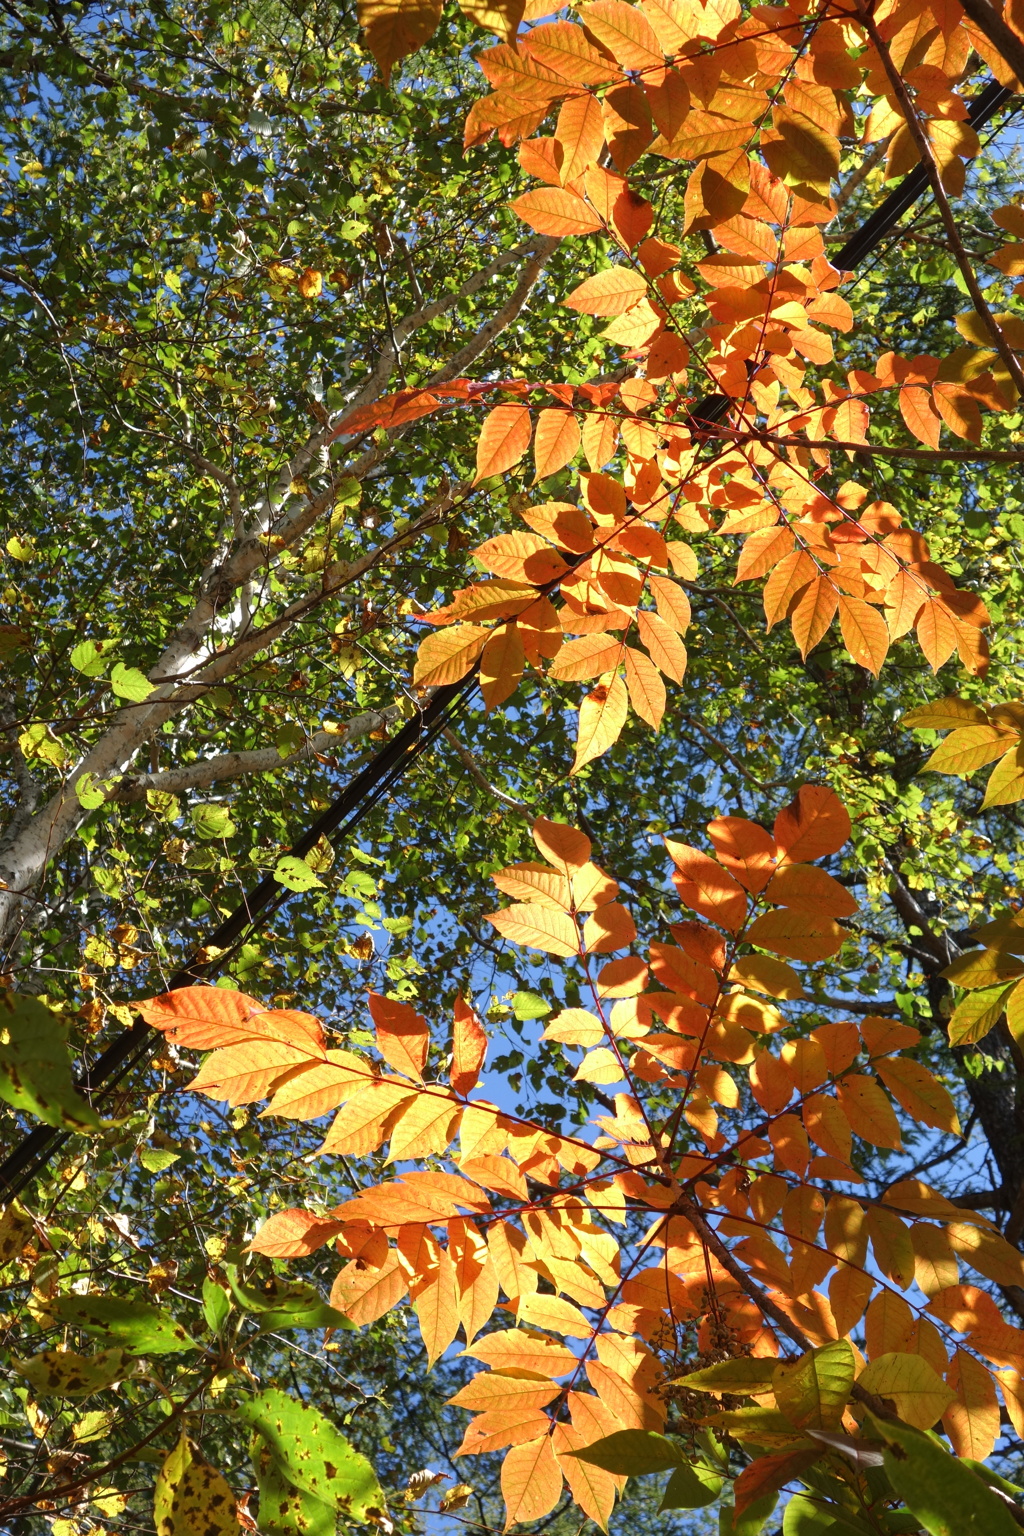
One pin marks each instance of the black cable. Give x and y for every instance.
(356, 801)
(368, 787)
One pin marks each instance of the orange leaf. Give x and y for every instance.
(767, 1474)
(497, 1173)
(469, 1048)
(627, 215)
(611, 292)
(537, 927)
(600, 438)
(918, 411)
(531, 1481)
(365, 1292)
(646, 689)
(936, 633)
(813, 824)
(510, 1254)
(625, 32)
(241, 1074)
(423, 1127)
(403, 1038)
(588, 657)
(504, 438)
(918, 1092)
(395, 28)
(610, 927)
(762, 551)
(555, 211)
(294, 1233)
(705, 886)
(869, 1112)
(202, 1018)
(746, 850)
(972, 1421)
(512, 1349)
(556, 441)
(565, 848)
(796, 934)
(602, 716)
(523, 557)
(554, 1313)
(592, 1488)
(434, 1302)
(812, 614)
(811, 890)
(580, 131)
(502, 662)
(865, 633)
(771, 1086)
(319, 1088)
(666, 649)
(448, 654)
(510, 1426)
(673, 603)
(490, 1393)
(361, 1126)
(792, 573)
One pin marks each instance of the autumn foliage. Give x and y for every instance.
(690, 1251)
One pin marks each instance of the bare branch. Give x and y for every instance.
(238, 765)
(476, 772)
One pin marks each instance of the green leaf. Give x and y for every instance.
(977, 1013)
(138, 1327)
(945, 1495)
(808, 1515)
(742, 1376)
(813, 1391)
(284, 1509)
(35, 1069)
(61, 1373)
(90, 658)
(212, 821)
(90, 791)
(527, 1005)
(154, 1160)
(691, 1487)
(216, 1305)
(190, 1498)
(131, 684)
(633, 1453)
(295, 874)
(751, 1521)
(310, 1453)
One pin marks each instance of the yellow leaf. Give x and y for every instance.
(599, 1066)
(602, 716)
(538, 927)
(919, 1394)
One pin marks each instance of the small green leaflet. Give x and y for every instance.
(138, 1327)
(295, 874)
(131, 684)
(212, 821)
(527, 1005)
(284, 1509)
(154, 1160)
(216, 1305)
(90, 658)
(947, 1498)
(632, 1453)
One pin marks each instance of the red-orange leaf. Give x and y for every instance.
(706, 887)
(469, 1048)
(813, 824)
(448, 654)
(918, 411)
(403, 1038)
